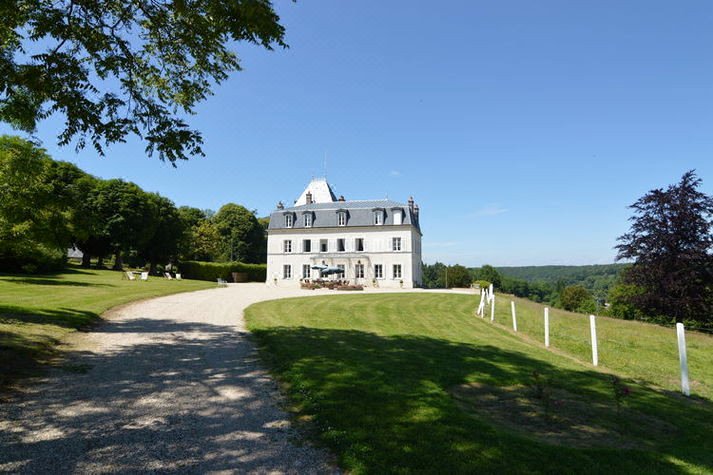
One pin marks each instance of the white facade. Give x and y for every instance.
(387, 254)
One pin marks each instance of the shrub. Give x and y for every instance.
(483, 284)
(214, 270)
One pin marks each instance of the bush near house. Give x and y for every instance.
(214, 270)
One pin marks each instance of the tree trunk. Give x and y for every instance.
(152, 267)
(100, 262)
(86, 260)
(118, 263)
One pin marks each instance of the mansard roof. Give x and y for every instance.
(360, 213)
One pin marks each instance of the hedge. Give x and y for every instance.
(214, 270)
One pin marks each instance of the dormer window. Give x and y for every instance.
(308, 220)
(288, 220)
(341, 218)
(378, 217)
(398, 216)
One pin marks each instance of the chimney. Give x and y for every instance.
(341, 198)
(280, 205)
(416, 210)
(309, 197)
(410, 203)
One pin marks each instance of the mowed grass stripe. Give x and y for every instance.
(373, 378)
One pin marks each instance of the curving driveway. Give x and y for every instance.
(169, 384)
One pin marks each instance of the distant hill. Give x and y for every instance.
(568, 274)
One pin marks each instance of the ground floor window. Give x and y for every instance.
(306, 271)
(341, 274)
(378, 271)
(359, 271)
(397, 271)
(287, 271)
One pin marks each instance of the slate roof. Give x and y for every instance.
(359, 213)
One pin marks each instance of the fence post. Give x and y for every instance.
(492, 308)
(514, 317)
(683, 359)
(593, 329)
(547, 327)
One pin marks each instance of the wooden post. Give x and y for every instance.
(547, 327)
(683, 359)
(593, 329)
(492, 308)
(514, 317)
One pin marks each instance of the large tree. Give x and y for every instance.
(240, 232)
(670, 243)
(113, 68)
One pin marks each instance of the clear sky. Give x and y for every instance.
(523, 129)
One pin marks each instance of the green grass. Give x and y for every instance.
(37, 312)
(408, 383)
(638, 350)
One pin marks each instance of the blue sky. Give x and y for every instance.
(523, 129)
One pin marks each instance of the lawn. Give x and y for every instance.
(402, 383)
(638, 350)
(37, 312)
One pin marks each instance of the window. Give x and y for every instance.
(341, 274)
(378, 217)
(359, 271)
(287, 271)
(306, 271)
(359, 244)
(397, 271)
(307, 245)
(378, 271)
(398, 216)
(341, 218)
(323, 245)
(396, 244)
(287, 245)
(340, 245)
(288, 220)
(308, 220)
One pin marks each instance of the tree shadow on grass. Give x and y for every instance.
(383, 404)
(49, 281)
(181, 397)
(62, 316)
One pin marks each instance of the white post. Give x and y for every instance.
(479, 311)
(490, 292)
(492, 308)
(514, 317)
(593, 329)
(547, 327)
(685, 389)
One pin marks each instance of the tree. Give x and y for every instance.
(126, 215)
(576, 298)
(114, 68)
(241, 234)
(34, 232)
(433, 275)
(670, 243)
(459, 276)
(488, 272)
(163, 245)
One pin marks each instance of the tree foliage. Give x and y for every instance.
(114, 68)
(576, 298)
(670, 243)
(48, 206)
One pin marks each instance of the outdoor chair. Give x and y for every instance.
(144, 276)
(130, 275)
(167, 275)
(178, 276)
(222, 282)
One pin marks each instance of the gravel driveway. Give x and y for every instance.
(168, 385)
